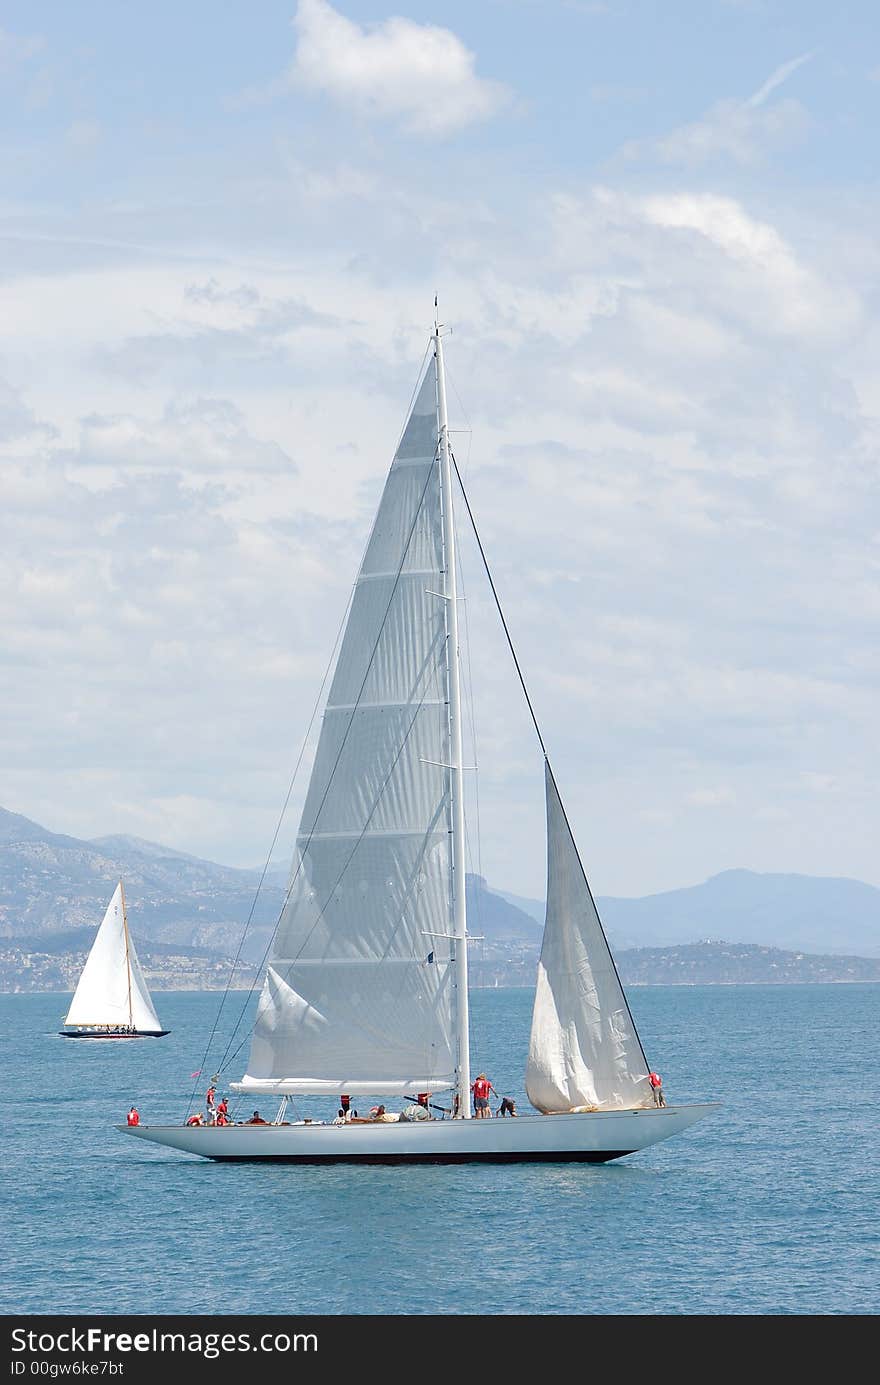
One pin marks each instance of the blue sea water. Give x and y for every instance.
(769, 1206)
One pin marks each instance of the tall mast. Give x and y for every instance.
(127, 956)
(463, 1089)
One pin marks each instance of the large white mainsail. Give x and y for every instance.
(359, 989)
(584, 1050)
(111, 990)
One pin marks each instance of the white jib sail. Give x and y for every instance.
(584, 1050)
(359, 989)
(111, 988)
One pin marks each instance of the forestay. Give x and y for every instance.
(358, 991)
(584, 1050)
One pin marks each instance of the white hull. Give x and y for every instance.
(591, 1137)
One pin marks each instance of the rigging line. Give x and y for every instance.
(519, 672)
(547, 761)
(301, 854)
(269, 858)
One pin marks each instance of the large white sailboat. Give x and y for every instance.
(111, 1000)
(366, 989)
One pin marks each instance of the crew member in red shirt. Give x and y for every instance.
(133, 1116)
(481, 1089)
(656, 1082)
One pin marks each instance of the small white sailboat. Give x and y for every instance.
(111, 1000)
(366, 990)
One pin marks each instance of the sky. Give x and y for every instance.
(652, 230)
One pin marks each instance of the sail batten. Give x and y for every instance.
(420, 574)
(306, 837)
(364, 705)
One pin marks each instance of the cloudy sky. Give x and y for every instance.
(653, 232)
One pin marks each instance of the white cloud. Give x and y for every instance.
(790, 296)
(745, 132)
(202, 435)
(736, 131)
(419, 74)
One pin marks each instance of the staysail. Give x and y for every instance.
(584, 1049)
(359, 989)
(111, 989)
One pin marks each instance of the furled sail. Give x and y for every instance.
(359, 989)
(111, 989)
(584, 1051)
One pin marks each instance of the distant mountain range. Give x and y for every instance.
(804, 913)
(51, 884)
(189, 915)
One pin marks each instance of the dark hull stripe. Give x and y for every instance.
(69, 1034)
(542, 1157)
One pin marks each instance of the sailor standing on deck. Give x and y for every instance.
(481, 1089)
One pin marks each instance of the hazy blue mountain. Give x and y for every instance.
(15, 828)
(51, 883)
(138, 846)
(824, 914)
(533, 907)
(495, 917)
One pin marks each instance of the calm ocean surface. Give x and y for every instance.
(768, 1207)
